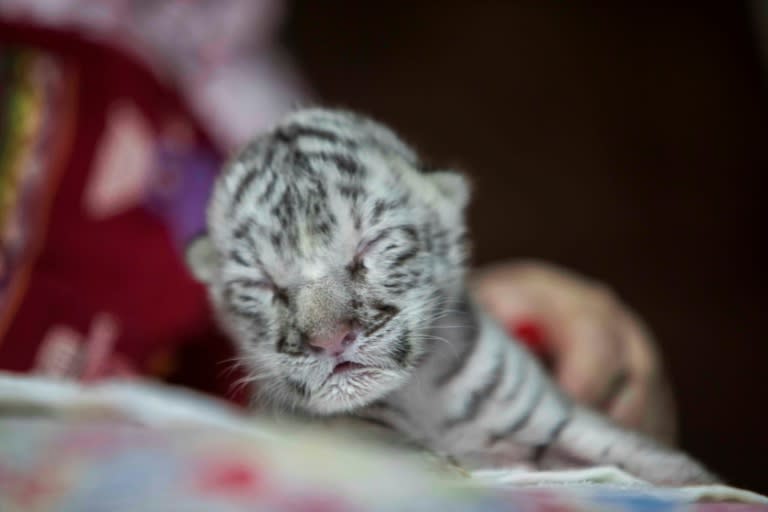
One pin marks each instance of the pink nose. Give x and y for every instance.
(334, 344)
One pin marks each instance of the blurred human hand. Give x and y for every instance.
(602, 353)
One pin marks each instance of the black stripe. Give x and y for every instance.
(357, 220)
(300, 343)
(344, 163)
(245, 182)
(385, 412)
(299, 388)
(276, 239)
(402, 349)
(322, 228)
(385, 313)
(233, 300)
(538, 453)
(381, 206)
(266, 195)
(378, 209)
(378, 422)
(243, 232)
(382, 406)
(523, 420)
(396, 289)
(407, 255)
(478, 396)
(351, 192)
(282, 342)
(244, 282)
(540, 450)
(241, 187)
(237, 258)
(559, 427)
(281, 295)
(410, 232)
(385, 233)
(256, 318)
(290, 350)
(522, 371)
(470, 333)
(356, 269)
(288, 134)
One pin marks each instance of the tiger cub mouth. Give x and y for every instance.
(347, 366)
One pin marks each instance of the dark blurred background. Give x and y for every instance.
(628, 143)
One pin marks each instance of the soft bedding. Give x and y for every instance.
(135, 446)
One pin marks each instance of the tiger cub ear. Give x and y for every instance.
(201, 258)
(454, 187)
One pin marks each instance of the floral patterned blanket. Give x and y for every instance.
(135, 446)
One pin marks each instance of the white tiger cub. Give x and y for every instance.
(335, 261)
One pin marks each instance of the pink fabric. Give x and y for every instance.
(219, 53)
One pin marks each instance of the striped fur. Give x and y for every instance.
(330, 218)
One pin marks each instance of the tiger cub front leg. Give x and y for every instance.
(595, 440)
(499, 408)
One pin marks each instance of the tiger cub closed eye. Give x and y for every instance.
(336, 264)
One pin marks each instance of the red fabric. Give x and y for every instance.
(125, 265)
